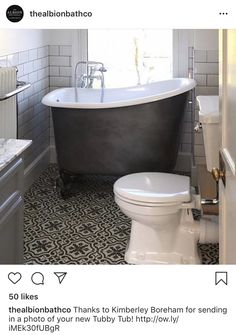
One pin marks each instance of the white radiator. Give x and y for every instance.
(8, 114)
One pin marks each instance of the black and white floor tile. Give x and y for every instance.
(87, 228)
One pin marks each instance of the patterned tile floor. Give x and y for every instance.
(87, 228)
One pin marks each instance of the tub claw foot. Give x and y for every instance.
(63, 188)
(64, 185)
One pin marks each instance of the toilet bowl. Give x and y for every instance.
(163, 230)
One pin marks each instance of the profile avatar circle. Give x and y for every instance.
(14, 13)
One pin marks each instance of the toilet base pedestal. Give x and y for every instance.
(150, 246)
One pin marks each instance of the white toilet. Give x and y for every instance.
(163, 230)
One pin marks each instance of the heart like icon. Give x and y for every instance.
(14, 277)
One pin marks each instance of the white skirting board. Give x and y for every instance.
(8, 114)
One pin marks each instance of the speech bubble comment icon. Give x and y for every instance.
(37, 278)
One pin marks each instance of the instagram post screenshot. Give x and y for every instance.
(117, 167)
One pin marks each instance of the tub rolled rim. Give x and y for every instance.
(52, 99)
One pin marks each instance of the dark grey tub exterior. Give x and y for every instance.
(120, 140)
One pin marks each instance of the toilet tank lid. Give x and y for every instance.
(208, 108)
(155, 187)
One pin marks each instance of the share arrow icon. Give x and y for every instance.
(60, 276)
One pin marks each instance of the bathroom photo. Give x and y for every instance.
(117, 146)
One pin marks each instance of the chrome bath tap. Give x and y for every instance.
(94, 70)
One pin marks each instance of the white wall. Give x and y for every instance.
(183, 39)
(60, 36)
(15, 40)
(206, 39)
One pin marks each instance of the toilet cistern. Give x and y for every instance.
(209, 119)
(209, 123)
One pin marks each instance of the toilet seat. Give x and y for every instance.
(153, 189)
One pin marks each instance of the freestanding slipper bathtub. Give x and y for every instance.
(118, 131)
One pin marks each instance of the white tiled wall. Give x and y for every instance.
(206, 73)
(60, 72)
(186, 135)
(60, 66)
(46, 68)
(33, 117)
